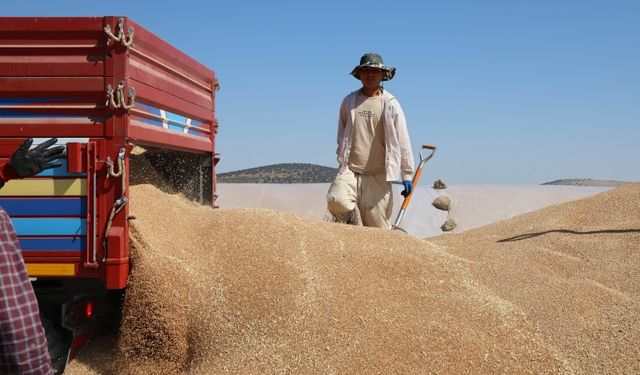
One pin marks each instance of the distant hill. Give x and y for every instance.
(287, 173)
(587, 182)
(300, 173)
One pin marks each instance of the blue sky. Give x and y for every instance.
(511, 92)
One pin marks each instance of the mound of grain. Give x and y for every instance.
(262, 291)
(574, 270)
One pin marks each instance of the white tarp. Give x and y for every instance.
(472, 205)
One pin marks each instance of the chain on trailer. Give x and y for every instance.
(127, 41)
(119, 203)
(115, 98)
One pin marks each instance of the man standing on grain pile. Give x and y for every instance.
(23, 344)
(373, 149)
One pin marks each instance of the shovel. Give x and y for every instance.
(416, 178)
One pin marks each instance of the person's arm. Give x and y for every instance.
(6, 172)
(23, 344)
(342, 124)
(404, 142)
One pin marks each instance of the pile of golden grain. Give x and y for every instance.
(258, 291)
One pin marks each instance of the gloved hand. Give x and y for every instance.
(408, 185)
(28, 163)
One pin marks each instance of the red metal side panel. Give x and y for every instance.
(175, 95)
(55, 74)
(52, 77)
(52, 84)
(40, 47)
(161, 59)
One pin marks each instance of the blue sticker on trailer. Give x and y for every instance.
(14, 101)
(49, 226)
(172, 121)
(60, 171)
(31, 112)
(53, 244)
(28, 112)
(45, 206)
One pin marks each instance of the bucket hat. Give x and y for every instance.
(373, 60)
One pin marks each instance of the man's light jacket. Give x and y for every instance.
(399, 157)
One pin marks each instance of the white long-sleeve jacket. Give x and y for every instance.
(399, 157)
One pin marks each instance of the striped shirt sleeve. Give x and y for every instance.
(23, 344)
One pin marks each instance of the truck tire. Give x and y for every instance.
(58, 346)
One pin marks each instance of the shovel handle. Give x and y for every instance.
(416, 178)
(414, 182)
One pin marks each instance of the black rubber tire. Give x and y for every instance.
(57, 343)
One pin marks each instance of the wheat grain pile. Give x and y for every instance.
(574, 270)
(256, 291)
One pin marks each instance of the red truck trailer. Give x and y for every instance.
(101, 85)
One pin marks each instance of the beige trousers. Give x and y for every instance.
(370, 193)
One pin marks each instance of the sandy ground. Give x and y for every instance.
(257, 290)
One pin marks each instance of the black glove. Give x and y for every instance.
(28, 163)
